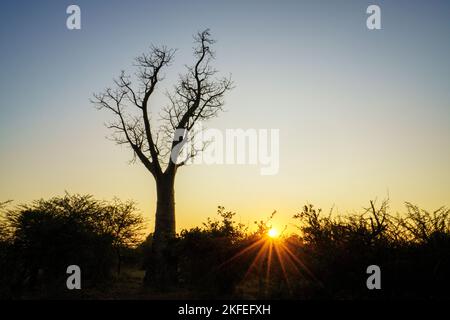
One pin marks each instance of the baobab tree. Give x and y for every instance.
(197, 96)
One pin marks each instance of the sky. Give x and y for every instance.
(363, 114)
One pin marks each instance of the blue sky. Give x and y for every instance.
(361, 113)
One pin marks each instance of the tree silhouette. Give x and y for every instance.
(197, 96)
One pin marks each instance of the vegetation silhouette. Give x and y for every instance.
(40, 240)
(198, 96)
(325, 258)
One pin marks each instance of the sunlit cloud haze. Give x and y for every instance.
(362, 114)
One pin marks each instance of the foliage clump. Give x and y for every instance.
(40, 240)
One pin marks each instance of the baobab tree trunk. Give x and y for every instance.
(161, 271)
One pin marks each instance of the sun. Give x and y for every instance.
(273, 233)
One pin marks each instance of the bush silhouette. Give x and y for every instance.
(49, 235)
(201, 253)
(412, 250)
(326, 258)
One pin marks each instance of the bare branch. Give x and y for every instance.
(197, 96)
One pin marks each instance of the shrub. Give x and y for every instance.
(49, 235)
(413, 252)
(202, 253)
